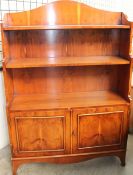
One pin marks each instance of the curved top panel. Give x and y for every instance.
(62, 13)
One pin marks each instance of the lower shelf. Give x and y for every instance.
(66, 61)
(65, 100)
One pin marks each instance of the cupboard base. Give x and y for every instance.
(65, 159)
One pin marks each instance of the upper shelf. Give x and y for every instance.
(64, 15)
(66, 61)
(46, 27)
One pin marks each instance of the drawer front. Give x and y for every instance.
(97, 129)
(40, 133)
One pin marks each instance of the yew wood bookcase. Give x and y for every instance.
(67, 71)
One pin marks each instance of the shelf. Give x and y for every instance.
(65, 100)
(46, 27)
(65, 61)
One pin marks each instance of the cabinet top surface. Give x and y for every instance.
(64, 15)
(66, 100)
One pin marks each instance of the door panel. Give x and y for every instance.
(41, 133)
(98, 128)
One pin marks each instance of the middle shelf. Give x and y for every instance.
(66, 100)
(65, 61)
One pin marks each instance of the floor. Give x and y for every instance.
(99, 166)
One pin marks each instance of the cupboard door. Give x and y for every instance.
(40, 133)
(97, 129)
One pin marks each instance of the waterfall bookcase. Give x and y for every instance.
(67, 72)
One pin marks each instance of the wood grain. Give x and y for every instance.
(54, 27)
(49, 133)
(66, 100)
(65, 61)
(55, 80)
(92, 126)
(62, 13)
(71, 100)
(63, 43)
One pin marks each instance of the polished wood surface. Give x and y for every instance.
(49, 133)
(71, 101)
(62, 13)
(66, 100)
(98, 128)
(65, 61)
(48, 27)
(63, 43)
(56, 80)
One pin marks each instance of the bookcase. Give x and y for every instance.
(67, 72)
